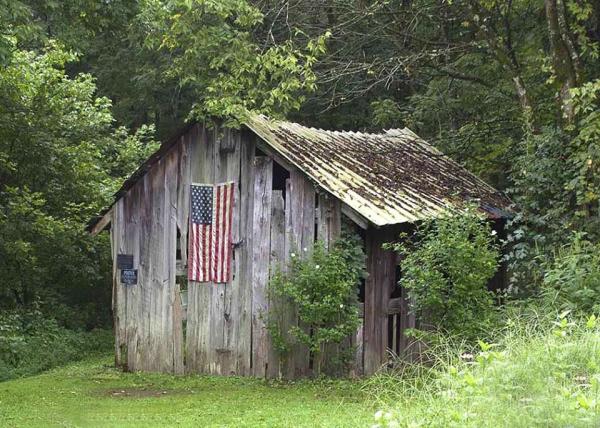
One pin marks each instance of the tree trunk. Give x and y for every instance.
(564, 66)
(502, 49)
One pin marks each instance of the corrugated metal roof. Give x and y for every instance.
(390, 177)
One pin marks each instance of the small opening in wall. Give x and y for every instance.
(396, 290)
(349, 227)
(178, 246)
(280, 176)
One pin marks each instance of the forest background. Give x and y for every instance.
(508, 88)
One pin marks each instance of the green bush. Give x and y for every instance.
(31, 343)
(322, 286)
(572, 278)
(446, 266)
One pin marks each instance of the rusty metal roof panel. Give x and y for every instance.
(389, 178)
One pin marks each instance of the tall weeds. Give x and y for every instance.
(539, 372)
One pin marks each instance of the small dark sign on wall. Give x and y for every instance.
(125, 261)
(129, 276)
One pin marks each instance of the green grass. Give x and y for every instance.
(92, 394)
(536, 375)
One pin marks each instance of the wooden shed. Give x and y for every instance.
(291, 185)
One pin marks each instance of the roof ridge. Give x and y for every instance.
(287, 122)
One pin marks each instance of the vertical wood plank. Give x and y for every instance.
(118, 297)
(199, 294)
(289, 312)
(358, 342)
(381, 268)
(183, 193)
(210, 335)
(153, 270)
(328, 230)
(302, 200)
(217, 162)
(329, 219)
(408, 347)
(229, 154)
(183, 210)
(277, 305)
(132, 295)
(240, 311)
(174, 311)
(260, 263)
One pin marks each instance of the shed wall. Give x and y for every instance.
(225, 331)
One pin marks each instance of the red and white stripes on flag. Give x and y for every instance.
(221, 233)
(210, 232)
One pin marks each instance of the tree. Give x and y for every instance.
(60, 161)
(213, 54)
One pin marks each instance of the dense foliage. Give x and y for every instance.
(446, 266)
(60, 160)
(322, 286)
(212, 53)
(31, 343)
(572, 278)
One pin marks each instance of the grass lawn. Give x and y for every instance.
(91, 393)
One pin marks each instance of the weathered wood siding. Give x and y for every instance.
(147, 316)
(381, 265)
(226, 326)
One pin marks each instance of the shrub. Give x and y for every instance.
(447, 263)
(572, 278)
(31, 343)
(323, 288)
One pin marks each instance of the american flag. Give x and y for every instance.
(210, 232)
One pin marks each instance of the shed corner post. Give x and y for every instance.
(381, 265)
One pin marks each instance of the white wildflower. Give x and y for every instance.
(305, 249)
(378, 415)
(494, 233)
(293, 255)
(317, 266)
(341, 306)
